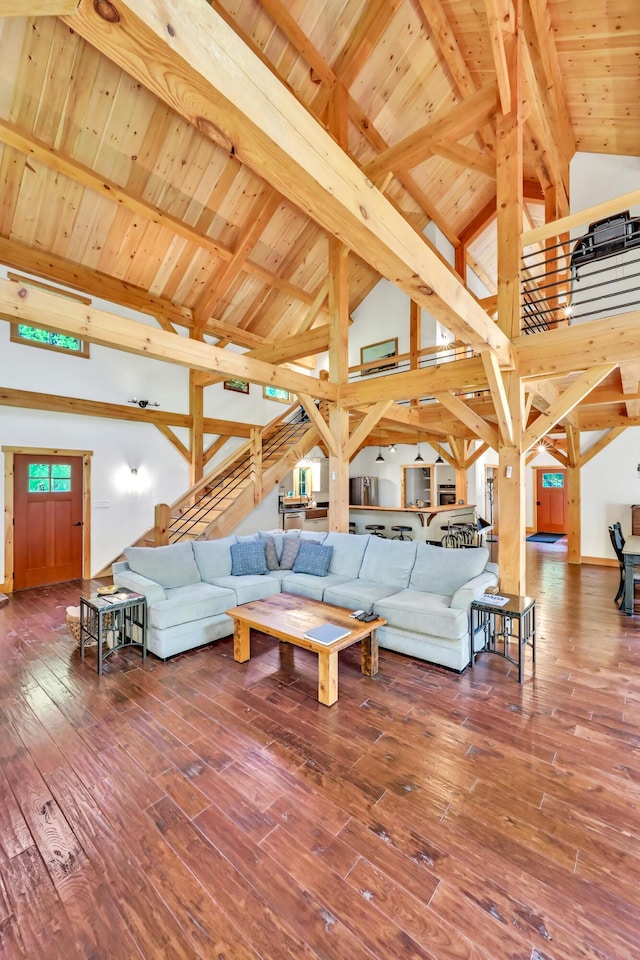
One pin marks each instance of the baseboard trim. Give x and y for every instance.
(600, 561)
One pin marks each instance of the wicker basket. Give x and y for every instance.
(73, 623)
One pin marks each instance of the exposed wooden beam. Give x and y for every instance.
(31, 400)
(112, 191)
(364, 428)
(582, 217)
(174, 440)
(601, 444)
(499, 397)
(48, 266)
(563, 405)
(454, 124)
(500, 16)
(319, 423)
(214, 448)
(463, 375)
(567, 349)
(473, 457)
(465, 157)
(39, 308)
(476, 424)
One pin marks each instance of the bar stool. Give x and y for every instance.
(353, 527)
(375, 529)
(400, 530)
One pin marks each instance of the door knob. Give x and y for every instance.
(78, 523)
(538, 503)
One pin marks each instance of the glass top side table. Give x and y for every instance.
(122, 614)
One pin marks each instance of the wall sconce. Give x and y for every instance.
(144, 403)
(392, 449)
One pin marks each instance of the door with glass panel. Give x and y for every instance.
(47, 519)
(551, 501)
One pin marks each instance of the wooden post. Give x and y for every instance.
(339, 471)
(161, 521)
(256, 464)
(574, 494)
(196, 433)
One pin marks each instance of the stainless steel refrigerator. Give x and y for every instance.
(363, 491)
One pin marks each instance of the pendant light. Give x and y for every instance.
(379, 458)
(419, 458)
(439, 459)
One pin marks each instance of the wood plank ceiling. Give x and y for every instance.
(108, 190)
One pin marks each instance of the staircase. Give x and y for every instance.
(215, 505)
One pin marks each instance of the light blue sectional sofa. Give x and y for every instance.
(423, 591)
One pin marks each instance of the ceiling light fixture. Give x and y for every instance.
(144, 403)
(379, 458)
(392, 448)
(439, 459)
(419, 458)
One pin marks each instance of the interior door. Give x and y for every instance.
(47, 519)
(551, 501)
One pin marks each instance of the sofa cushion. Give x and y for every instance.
(356, 594)
(290, 548)
(317, 536)
(248, 558)
(250, 587)
(213, 557)
(172, 566)
(441, 571)
(348, 552)
(305, 585)
(313, 558)
(389, 562)
(427, 613)
(196, 601)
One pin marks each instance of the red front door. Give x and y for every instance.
(551, 501)
(47, 519)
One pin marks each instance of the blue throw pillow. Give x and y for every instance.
(248, 558)
(313, 558)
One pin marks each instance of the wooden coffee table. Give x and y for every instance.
(289, 617)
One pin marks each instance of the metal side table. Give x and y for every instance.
(120, 617)
(502, 626)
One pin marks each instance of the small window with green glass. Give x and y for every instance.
(49, 478)
(36, 336)
(553, 480)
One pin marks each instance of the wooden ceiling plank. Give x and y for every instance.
(454, 123)
(540, 37)
(46, 265)
(78, 172)
(318, 303)
(29, 305)
(38, 8)
(476, 424)
(579, 389)
(376, 16)
(261, 214)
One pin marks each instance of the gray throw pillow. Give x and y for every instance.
(290, 549)
(270, 552)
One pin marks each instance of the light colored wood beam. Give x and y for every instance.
(476, 424)
(501, 23)
(453, 124)
(465, 157)
(214, 448)
(598, 212)
(564, 404)
(364, 428)
(499, 397)
(473, 457)
(463, 375)
(175, 441)
(208, 75)
(567, 349)
(601, 444)
(41, 309)
(319, 423)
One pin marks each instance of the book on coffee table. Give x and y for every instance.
(327, 633)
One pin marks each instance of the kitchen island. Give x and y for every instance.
(428, 524)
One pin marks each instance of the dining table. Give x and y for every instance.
(631, 554)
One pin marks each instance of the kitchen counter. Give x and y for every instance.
(432, 522)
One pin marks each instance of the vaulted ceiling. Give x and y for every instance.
(110, 189)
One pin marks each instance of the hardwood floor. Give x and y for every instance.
(202, 808)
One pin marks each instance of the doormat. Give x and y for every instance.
(545, 537)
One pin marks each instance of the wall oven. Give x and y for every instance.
(446, 494)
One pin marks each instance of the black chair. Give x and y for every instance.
(617, 542)
(376, 529)
(401, 530)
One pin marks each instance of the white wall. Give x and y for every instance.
(122, 508)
